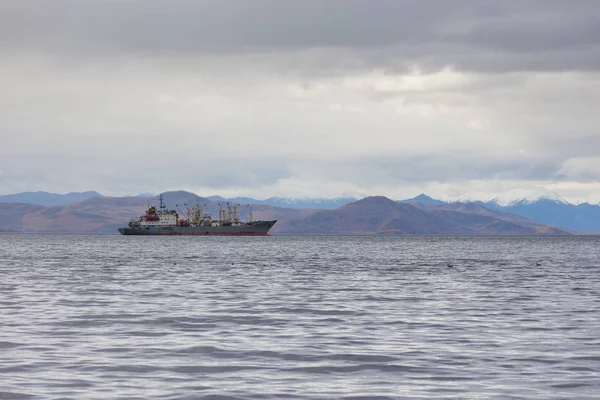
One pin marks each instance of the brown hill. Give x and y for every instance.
(480, 220)
(11, 214)
(96, 215)
(370, 215)
(5, 229)
(381, 215)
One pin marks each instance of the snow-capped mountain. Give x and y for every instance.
(556, 211)
(553, 198)
(549, 209)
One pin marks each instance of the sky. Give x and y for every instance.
(460, 99)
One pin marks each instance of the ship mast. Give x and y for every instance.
(221, 213)
(235, 214)
(198, 211)
(188, 211)
(229, 213)
(162, 204)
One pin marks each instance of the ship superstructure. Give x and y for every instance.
(163, 221)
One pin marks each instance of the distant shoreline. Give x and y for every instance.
(578, 234)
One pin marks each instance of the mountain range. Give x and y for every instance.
(583, 217)
(380, 215)
(292, 202)
(371, 215)
(48, 199)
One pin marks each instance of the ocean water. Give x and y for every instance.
(340, 317)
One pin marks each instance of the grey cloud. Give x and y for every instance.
(472, 34)
(570, 144)
(447, 168)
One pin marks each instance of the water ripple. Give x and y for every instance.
(299, 317)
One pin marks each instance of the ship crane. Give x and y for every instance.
(188, 213)
(222, 214)
(195, 214)
(236, 219)
(229, 213)
(248, 208)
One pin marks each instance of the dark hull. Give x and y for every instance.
(259, 228)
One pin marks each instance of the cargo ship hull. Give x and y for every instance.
(259, 228)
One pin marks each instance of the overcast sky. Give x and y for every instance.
(455, 98)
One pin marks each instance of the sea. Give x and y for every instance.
(299, 317)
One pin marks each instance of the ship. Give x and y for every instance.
(195, 222)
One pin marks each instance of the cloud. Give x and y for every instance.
(272, 97)
(581, 169)
(480, 35)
